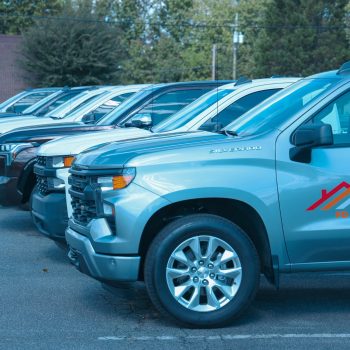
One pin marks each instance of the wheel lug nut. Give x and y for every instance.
(212, 275)
(205, 282)
(201, 263)
(193, 269)
(210, 266)
(195, 279)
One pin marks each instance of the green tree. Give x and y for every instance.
(75, 49)
(130, 19)
(295, 37)
(251, 19)
(214, 20)
(18, 15)
(183, 34)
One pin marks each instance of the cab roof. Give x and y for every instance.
(342, 73)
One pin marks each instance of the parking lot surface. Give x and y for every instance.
(46, 304)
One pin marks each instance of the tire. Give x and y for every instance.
(62, 245)
(242, 288)
(30, 201)
(28, 206)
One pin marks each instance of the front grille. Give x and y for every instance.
(41, 181)
(84, 210)
(79, 182)
(42, 184)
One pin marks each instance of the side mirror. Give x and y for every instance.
(89, 118)
(308, 137)
(141, 120)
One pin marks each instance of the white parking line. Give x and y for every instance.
(226, 337)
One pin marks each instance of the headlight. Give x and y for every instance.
(117, 182)
(12, 149)
(62, 161)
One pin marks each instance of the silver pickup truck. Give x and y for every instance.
(199, 216)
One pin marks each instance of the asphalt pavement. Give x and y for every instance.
(46, 304)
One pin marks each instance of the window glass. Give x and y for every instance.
(27, 101)
(276, 110)
(58, 102)
(116, 115)
(67, 110)
(108, 106)
(169, 103)
(337, 114)
(192, 110)
(122, 98)
(238, 108)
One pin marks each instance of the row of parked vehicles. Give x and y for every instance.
(196, 188)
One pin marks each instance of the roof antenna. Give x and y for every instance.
(242, 80)
(344, 69)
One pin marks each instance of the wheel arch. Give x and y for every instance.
(27, 180)
(238, 212)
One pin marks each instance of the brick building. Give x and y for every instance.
(11, 76)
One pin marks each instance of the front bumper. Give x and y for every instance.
(106, 268)
(9, 196)
(50, 214)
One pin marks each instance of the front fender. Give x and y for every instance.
(249, 180)
(24, 167)
(267, 210)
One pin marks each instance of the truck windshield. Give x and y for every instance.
(119, 112)
(33, 108)
(186, 114)
(65, 108)
(281, 106)
(77, 111)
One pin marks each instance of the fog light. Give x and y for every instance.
(54, 183)
(108, 209)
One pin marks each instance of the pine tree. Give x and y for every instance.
(76, 49)
(297, 37)
(18, 15)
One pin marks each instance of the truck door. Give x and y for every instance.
(315, 197)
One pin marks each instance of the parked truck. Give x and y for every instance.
(58, 111)
(199, 216)
(51, 202)
(19, 103)
(44, 105)
(18, 148)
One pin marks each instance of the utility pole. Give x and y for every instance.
(237, 39)
(235, 48)
(213, 63)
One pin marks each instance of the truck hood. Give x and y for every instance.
(76, 144)
(12, 115)
(47, 132)
(118, 154)
(8, 124)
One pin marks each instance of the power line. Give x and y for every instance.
(201, 24)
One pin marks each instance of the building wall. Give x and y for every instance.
(11, 76)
